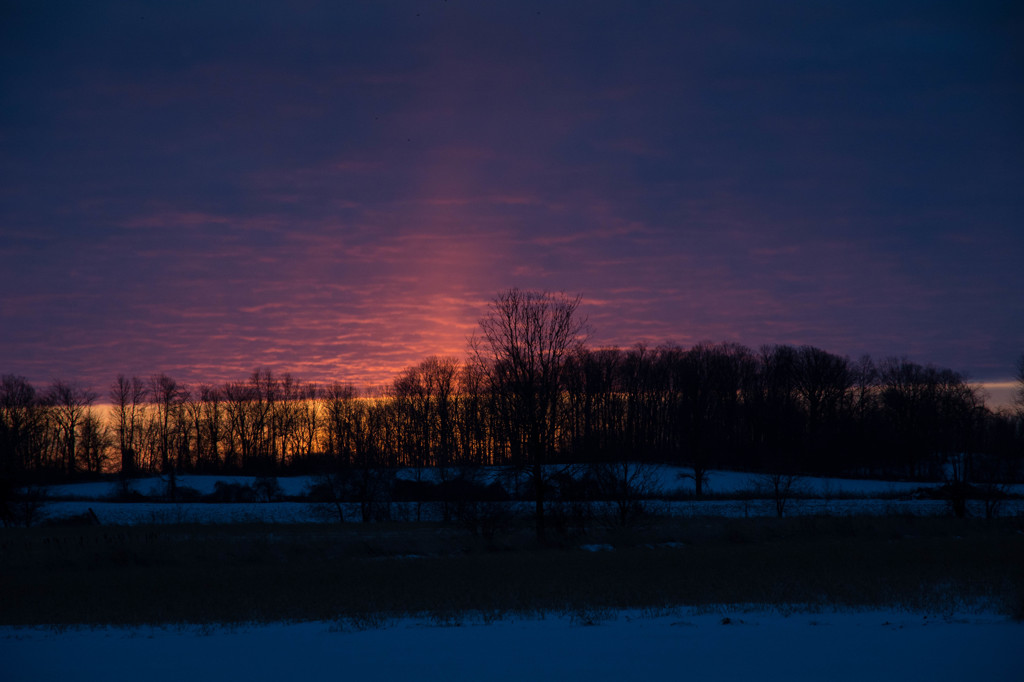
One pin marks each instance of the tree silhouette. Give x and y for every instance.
(69, 405)
(128, 397)
(526, 338)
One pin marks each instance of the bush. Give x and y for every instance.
(224, 491)
(485, 518)
(123, 491)
(571, 488)
(86, 518)
(570, 519)
(267, 489)
(459, 489)
(414, 491)
(463, 489)
(26, 507)
(184, 493)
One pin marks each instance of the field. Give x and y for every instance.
(728, 595)
(727, 494)
(365, 572)
(723, 644)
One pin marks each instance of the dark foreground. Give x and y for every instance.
(368, 573)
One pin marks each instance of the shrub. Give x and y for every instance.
(184, 493)
(225, 491)
(267, 489)
(26, 507)
(414, 491)
(486, 519)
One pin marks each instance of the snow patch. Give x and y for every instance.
(619, 645)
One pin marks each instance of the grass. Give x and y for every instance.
(365, 573)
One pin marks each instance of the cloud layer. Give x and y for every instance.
(338, 191)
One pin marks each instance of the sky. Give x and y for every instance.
(337, 190)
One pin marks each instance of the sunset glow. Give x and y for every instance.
(338, 191)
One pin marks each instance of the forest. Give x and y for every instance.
(529, 393)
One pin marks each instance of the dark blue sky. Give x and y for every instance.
(337, 189)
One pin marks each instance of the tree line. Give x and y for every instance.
(530, 393)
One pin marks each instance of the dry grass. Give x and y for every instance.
(208, 574)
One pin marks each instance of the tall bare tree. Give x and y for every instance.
(525, 339)
(21, 431)
(128, 398)
(69, 405)
(306, 435)
(778, 409)
(711, 381)
(166, 394)
(823, 384)
(20, 426)
(241, 431)
(212, 425)
(95, 441)
(424, 400)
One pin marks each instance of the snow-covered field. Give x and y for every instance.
(729, 644)
(832, 496)
(669, 479)
(136, 513)
(155, 486)
(722, 644)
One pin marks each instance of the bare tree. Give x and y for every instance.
(128, 397)
(596, 405)
(266, 393)
(212, 425)
(863, 403)
(240, 426)
(780, 415)
(95, 441)
(645, 403)
(526, 337)
(822, 386)
(306, 435)
(166, 394)
(20, 426)
(333, 487)
(628, 485)
(427, 392)
(410, 403)
(69, 405)
(781, 487)
(710, 379)
(475, 419)
(340, 401)
(192, 416)
(440, 379)
(822, 381)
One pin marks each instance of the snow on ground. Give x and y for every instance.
(725, 482)
(157, 486)
(833, 496)
(135, 513)
(725, 645)
(667, 477)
